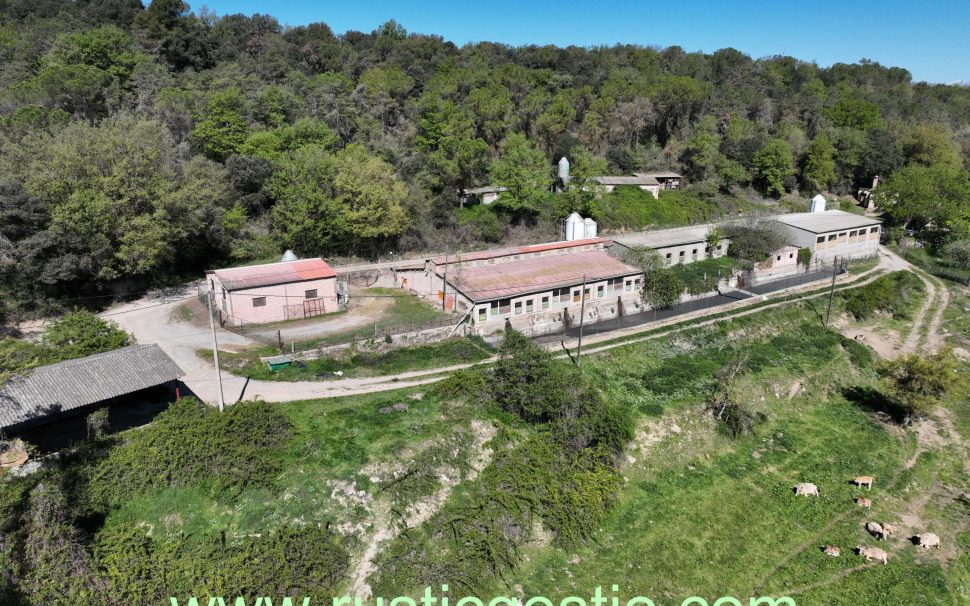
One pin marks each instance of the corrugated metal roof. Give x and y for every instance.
(75, 383)
(537, 274)
(482, 255)
(626, 180)
(662, 238)
(826, 221)
(284, 272)
(485, 189)
(665, 175)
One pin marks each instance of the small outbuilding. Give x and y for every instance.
(273, 292)
(644, 182)
(121, 378)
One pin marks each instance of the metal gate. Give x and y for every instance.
(313, 307)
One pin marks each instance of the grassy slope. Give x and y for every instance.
(335, 439)
(457, 350)
(701, 515)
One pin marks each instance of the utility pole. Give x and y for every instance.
(582, 319)
(215, 352)
(444, 285)
(835, 272)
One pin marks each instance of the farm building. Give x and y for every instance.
(134, 381)
(535, 288)
(668, 180)
(832, 233)
(676, 246)
(644, 182)
(485, 195)
(275, 291)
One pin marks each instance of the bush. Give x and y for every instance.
(82, 333)
(753, 241)
(192, 443)
(895, 293)
(916, 384)
(305, 561)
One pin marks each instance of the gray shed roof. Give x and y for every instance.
(663, 238)
(626, 180)
(71, 384)
(826, 221)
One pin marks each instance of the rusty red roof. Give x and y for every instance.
(285, 272)
(537, 274)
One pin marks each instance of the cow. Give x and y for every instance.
(831, 550)
(861, 481)
(873, 553)
(864, 502)
(806, 489)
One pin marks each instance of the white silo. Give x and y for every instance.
(575, 227)
(589, 228)
(818, 203)
(564, 170)
(289, 255)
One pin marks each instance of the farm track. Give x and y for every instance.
(152, 326)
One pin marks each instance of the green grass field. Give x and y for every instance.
(457, 350)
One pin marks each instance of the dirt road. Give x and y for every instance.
(150, 321)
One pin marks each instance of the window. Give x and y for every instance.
(493, 308)
(482, 314)
(832, 238)
(694, 252)
(311, 294)
(791, 255)
(820, 240)
(853, 233)
(576, 296)
(636, 284)
(778, 258)
(505, 306)
(529, 306)
(600, 291)
(545, 302)
(586, 294)
(628, 285)
(259, 301)
(874, 230)
(682, 253)
(518, 308)
(668, 256)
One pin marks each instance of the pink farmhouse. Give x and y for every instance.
(273, 292)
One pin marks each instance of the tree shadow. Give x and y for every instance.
(874, 401)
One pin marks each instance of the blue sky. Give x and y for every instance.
(930, 38)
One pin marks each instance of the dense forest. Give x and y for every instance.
(140, 144)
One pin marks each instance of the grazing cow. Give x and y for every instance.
(876, 530)
(888, 529)
(873, 553)
(864, 502)
(928, 539)
(864, 481)
(806, 489)
(831, 550)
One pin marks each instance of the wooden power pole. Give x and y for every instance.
(582, 319)
(215, 352)
(835, 273)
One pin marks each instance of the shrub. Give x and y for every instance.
(895, 294)
(305, 561)
(753, 241)
(916, 384)
(82, 333)
(192, 443)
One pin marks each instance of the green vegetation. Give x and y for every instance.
(897, 294)
(702, 276)
(916, 384)
(457, 350)
(73, 335)
(632, 208)
(948, 267)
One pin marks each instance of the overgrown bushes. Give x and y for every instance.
(632, 208)
(191, 443)
(896, 294)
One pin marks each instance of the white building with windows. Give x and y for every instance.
(832, 233)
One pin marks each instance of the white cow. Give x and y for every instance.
(806, 489)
